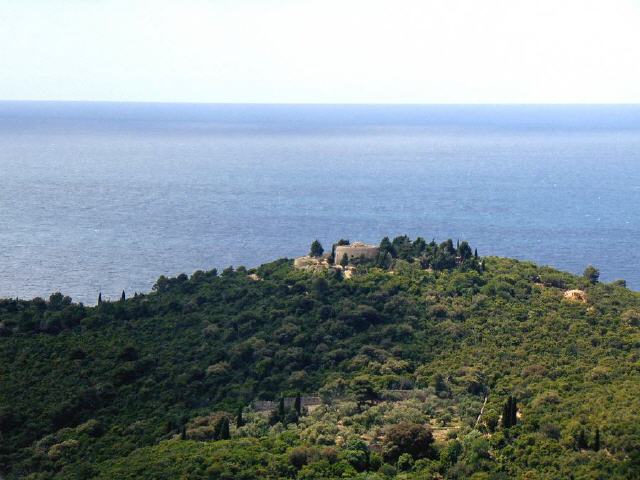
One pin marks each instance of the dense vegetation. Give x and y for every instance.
(431, 362)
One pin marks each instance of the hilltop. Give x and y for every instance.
(428, 361)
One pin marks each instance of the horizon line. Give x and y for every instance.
(381, 104)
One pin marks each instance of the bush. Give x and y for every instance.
(411, 438)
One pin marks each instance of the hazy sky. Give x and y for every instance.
(337, 51)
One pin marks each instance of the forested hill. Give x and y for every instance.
(428, 362)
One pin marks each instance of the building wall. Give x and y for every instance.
(355, 251)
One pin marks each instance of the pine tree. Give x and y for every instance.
(123, 297)
(596, 441)
(316, 249)
(298, 405)
(100, 298)
(239, 421)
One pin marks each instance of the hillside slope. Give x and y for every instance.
(403, 357)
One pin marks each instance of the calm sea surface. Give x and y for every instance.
(106, 197)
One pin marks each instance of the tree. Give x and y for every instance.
(464, 250)
(582, 440)
(510, 413)
(316, 249)
(344, 261)
(281, 412)
(320, 287)
(596, 441)
(406, 437)
(297, 404)
(239, 420)
(363, 391)
(592, 274)
(224, 429)
(100, 298)
(123, 297)
(387, 247)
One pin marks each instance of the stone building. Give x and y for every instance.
(356, 250)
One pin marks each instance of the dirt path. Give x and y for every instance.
(486, 397)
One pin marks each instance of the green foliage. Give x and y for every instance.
(592, 274)
(407, 438)
(316, 249)
(402, 357)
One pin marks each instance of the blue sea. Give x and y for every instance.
(103, 197)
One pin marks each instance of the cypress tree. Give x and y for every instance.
(475, 253)
(298, 404)
(596, 441)
(281, 412)
(514, 411)
(100, 298)
(582, 440)
(239, 421)
(224, 429)
(123, 297)
(183, 433)
(506, 414)
(344, 261)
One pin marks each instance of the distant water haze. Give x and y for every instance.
(100, 197)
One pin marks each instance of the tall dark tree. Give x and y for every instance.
(596, 440)
(239, 420)
(224, 429)
(123, 297)
(282, 414)
(582, 440)
(100, 298)
(344, 261)
(316, 249)
(506, 416)
(510, 413)
(298, 404)
(475, 253)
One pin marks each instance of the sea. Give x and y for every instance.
(106, 197)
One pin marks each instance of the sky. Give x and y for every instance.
(321, 51)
